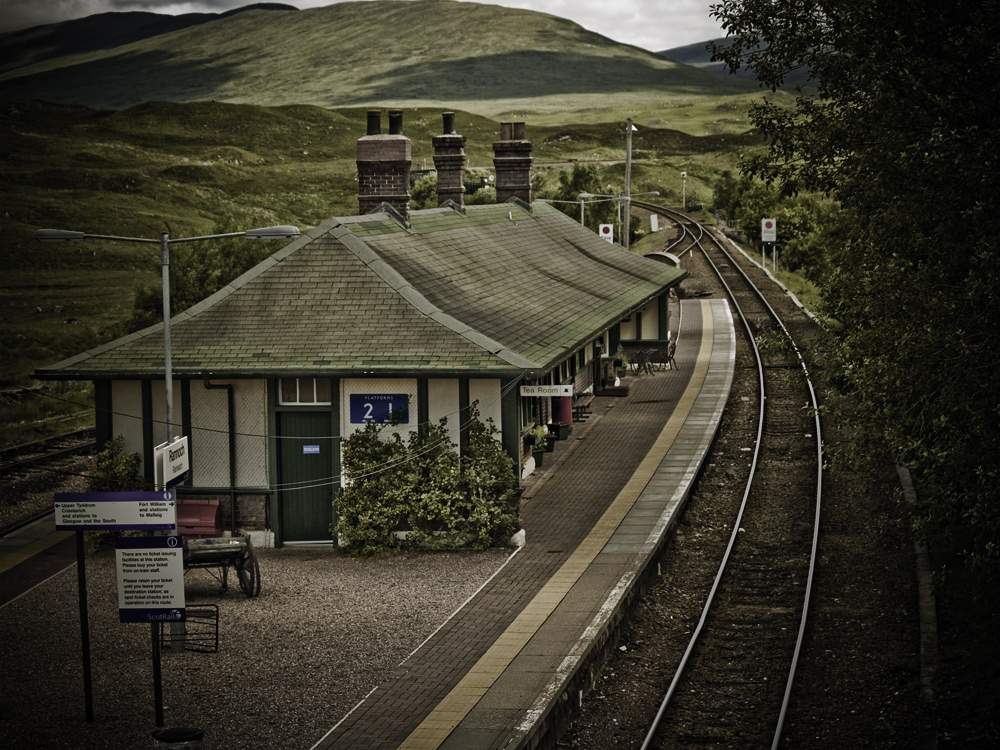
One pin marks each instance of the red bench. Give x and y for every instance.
(199, 519)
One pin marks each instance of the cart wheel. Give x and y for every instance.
(248, 571)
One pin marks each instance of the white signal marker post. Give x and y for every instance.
(769, 236)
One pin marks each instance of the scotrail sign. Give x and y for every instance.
(150, 578)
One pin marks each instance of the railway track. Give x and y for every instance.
(734, 681)
(28, 472)
(22, 457)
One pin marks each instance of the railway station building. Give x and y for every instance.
(419, 314)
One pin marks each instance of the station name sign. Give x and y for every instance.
(539, 391)
(116, 511)
(172, 462)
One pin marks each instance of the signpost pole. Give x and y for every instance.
(157, 674)
(81, 582)
(119, 511)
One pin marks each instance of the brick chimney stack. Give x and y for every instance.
(384, 165)
(512, 161)
(449, 160)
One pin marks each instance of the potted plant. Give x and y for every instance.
(621, 365)
(539, 443)
(561, 429)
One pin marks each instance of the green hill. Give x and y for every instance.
(485, 59)
(699, 56)
(100, 31)
(129, 124)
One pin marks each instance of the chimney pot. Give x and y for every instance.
(512, 162)
(395, 122)
(374, 122)
(449, 160)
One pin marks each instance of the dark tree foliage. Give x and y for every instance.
(809, 224)
(583, 179)
(115, 470)
(200, 269)
(901, 130)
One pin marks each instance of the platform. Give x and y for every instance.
(504, 671)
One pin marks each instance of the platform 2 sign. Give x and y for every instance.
(116, 511)
(380, 408)
(150, 579)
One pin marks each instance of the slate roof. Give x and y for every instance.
(499, 290)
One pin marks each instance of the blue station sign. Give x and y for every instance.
(380, 408)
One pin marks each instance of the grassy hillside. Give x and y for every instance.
(486, 59)
(132, 124)
(204, 167)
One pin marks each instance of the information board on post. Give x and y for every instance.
(150, 579)
(116, 511)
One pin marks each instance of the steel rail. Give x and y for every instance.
(686, 224)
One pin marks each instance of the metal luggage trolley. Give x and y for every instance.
(225, 552)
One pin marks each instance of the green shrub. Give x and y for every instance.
(115, 470)
(424, 487)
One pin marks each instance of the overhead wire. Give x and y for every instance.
(326, 481)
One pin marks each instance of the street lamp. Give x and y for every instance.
(61, 235)
(684, 203)
(264, 233)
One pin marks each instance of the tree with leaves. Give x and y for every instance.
(199, 270)
(900, 127)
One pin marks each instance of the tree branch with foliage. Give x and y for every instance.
(901, 129)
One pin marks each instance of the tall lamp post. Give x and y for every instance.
(62, 235)
(165, 241)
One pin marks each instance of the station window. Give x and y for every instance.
(304, 392)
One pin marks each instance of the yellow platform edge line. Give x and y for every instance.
(30, 550)
(432, 732)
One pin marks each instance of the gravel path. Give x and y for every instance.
(292, 662)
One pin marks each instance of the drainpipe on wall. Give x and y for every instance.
(232, 448)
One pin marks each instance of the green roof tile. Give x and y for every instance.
(497, 289)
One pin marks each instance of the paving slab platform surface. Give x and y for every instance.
(499, 671)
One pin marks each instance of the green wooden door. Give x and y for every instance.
(306, 476)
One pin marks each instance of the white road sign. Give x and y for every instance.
(116, 511)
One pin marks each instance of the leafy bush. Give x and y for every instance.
(424, 487)
(115, 470)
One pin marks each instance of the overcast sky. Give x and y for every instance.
(651, 24)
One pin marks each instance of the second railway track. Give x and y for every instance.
(716, 676)
(732, 686)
